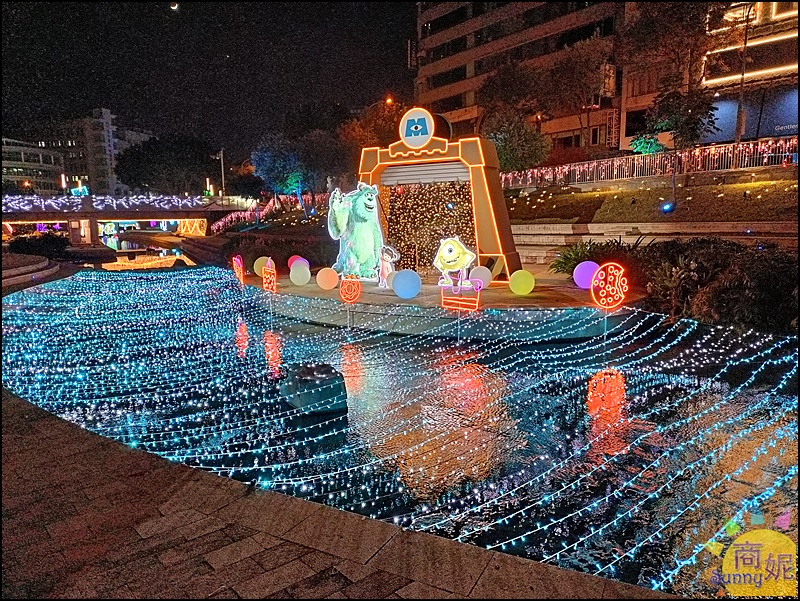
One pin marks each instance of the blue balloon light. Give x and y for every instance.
(407, 284)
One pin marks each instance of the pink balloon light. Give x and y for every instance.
(583, 272)
(292, 259)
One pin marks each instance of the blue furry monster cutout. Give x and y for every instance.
(353, 221)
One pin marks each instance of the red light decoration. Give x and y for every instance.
(238, 268)
(609, 286)
(350, 289)
(605, 404)
(242, 340)
(353, 368)
(459, 302)
(269, 278)
(273, 345)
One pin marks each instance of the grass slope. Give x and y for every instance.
(759, 201)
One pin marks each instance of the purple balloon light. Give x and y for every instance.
(300, 261)
(582, 275)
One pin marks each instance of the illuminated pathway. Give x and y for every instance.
(620, 455)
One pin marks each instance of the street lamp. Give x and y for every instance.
(740, 114)
(388, 101)
(221, 156)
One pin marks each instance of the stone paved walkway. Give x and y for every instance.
(87, 517)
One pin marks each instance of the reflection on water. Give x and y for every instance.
(456, 425)
(272, 351)
(622, 457)
(242, 339)
(605, 402)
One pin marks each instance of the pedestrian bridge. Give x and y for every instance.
(81, 214)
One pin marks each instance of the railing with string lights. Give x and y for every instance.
(760, 153)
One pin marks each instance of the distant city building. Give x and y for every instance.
(29, 167)
(90, 146)
(459, 44)
(770, 78)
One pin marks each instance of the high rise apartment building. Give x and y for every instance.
(459, 44)
(90, 146)
(30, 168)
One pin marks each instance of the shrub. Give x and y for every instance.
(320, 252)
(601, 252)
(47, 245)
(710, 279)
(757, 290)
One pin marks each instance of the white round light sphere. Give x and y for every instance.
(484, 274)
(300, 275)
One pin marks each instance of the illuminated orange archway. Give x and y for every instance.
(492, 227)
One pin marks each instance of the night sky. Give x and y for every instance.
(224, 72)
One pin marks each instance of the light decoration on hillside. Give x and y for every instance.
(527, 436)
(266, 212)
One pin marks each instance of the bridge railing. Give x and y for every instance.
(693, 160)
(90, 204)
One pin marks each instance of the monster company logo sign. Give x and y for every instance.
(416, 128)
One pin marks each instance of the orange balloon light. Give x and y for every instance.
(350, 289)
(609, 286)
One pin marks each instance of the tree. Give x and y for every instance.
(512, 87)
(314, 115)
(167, 165)
(645, 143)
(519, 145)
(11, 188)
(277, 163)
(246, 185)
(678, 36)
(321, 156)
(688, 116)
(354, 135)
(383, 119)
(572, 83)
(377, 125)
